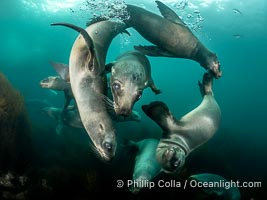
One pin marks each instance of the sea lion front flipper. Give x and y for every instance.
(169, 14)
(206, 85)
(154, 87)
(153, 51)
(126, 32)
(61, 69)
(88, 40)
(159, 113)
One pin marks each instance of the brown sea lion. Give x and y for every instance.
(71, 117)
(59, 84)
(180, 137)
(88, 82)
(130, 75)
(171, 36)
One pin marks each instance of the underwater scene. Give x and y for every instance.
(132, 98)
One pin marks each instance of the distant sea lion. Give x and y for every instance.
(87, 78)
(182, 136)
(130, 75)
(59, 84)
(218, 189)
(146, 165)
(171, 36)
(71, 117)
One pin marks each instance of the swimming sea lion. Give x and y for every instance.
(59, 84)
(180, 137)
(87, 78)
(130, 75)
(146, 165)
(71, 117)
(216, 188)
(54, 83)
(171, 36)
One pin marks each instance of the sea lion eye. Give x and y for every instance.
(45, 80)
(116, 86)
(139, 94)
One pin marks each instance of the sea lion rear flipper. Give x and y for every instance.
(153, 51)
(61, 69)
(169, 14)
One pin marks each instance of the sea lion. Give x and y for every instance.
(59, 84)
(180, 137)
(62, 70)
(87, 78)
(71, 117)
(218, 189)
(171, 36)
(130, 75)
(146, 165)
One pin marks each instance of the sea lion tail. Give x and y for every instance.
(86, 36)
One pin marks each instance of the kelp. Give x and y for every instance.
(15, 129)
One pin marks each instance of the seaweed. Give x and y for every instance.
(15, 129)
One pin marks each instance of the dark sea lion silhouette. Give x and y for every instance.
(180, 137)
(146, 166)
(171, 36)
(88, 82)
(218, 187)
(130, 75)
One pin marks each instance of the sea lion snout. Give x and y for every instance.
(171, 158)
(124, 111)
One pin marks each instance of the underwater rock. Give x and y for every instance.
(16, 148)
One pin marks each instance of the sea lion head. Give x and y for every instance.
(53, 82)
(127, 88)
(171, 157)
(103, 139)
